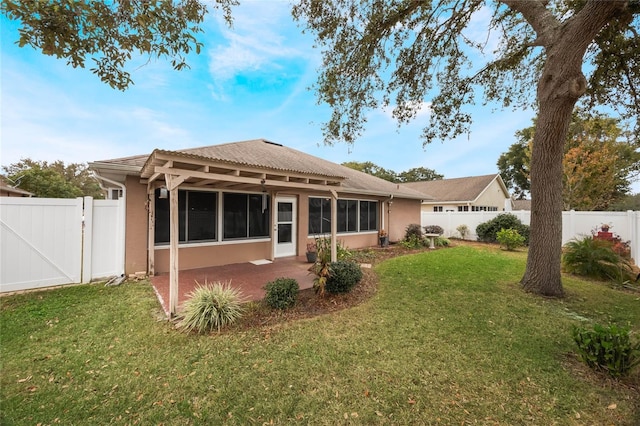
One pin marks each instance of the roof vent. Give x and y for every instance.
(271, 143)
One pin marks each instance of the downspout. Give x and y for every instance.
(123, 213)
(389, 201)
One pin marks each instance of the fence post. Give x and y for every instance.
(634, 232)
(87, 239)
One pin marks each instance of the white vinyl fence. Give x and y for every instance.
(574, 224)
(46, 242)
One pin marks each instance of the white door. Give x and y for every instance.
(285, 232)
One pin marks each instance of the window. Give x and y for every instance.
(437, 208)
(352, 216)
(319, 216)
(484, 208)
(368, 215)
(463, 208)
(197, 217)
(245, 216)
(347, 215)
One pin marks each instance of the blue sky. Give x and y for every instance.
(249, 82)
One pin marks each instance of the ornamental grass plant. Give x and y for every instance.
(210, 307)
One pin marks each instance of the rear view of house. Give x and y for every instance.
(242, 201)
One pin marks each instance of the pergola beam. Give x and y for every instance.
(185, 174)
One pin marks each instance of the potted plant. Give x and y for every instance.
(312, 252)
(384, 238)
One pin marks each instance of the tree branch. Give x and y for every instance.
(539, 17)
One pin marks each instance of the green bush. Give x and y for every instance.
(607, 348)
(441, 242)
(463, 230)
(510, 238)
(211, 307)
(413, 230)
(595, 258)
(433, 229)
(413, 242)
(281, 293)
(343, 277)
(488, 231)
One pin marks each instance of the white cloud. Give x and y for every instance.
(262, 35)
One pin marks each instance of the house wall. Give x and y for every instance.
(492, 196)
(396, 218)
(136, 226)
(401, 213)
(213, 255)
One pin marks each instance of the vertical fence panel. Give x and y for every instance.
(107, 239)
(574, 224)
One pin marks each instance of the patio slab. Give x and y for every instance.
(249, 278)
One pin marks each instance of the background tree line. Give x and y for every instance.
(600, 162)
(53, 180)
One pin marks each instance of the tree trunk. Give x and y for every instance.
(542, 275)
(560, 86)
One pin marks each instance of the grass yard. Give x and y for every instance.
(449, 338)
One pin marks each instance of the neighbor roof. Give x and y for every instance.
(266, 155)
(466, 189)
(5, 187)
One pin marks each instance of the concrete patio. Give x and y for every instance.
(249, 278)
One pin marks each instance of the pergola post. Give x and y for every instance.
(174, 235)
(173, 182)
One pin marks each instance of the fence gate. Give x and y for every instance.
(42, 241)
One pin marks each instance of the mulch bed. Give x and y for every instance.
(310, 304)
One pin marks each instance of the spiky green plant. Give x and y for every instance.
(210, 307)
(595, 258)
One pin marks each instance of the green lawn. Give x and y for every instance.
(448, 339)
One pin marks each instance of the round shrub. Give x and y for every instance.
(281, 293)
(510, 239)
(414, 230)
(211, 307)
(433, 229)
(343, 277)
(488, 231)
(441, 242)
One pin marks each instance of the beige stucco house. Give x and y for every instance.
(475, 193)
(243, 201)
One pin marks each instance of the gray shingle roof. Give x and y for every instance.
(264, 154)
(457, 189)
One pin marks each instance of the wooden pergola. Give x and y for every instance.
(173, 169)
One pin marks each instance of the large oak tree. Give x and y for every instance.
(394, 52)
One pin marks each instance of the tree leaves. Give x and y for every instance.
(53, 180)
(110, 33)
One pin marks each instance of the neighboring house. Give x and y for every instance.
(244, 201)
(521, 204)
(475, 193)
(7, 190)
